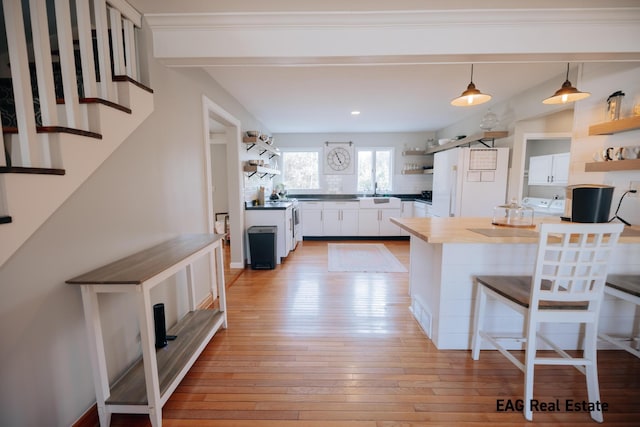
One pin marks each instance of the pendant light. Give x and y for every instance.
(471, 96)
(567, 93)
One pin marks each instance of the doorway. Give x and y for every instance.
(223, 180)
(537, 145)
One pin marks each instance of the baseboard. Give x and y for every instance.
(89, 418)
(319, 238)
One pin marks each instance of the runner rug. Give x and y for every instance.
(366, 257)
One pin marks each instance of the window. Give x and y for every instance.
(300, 169)
(375, 165)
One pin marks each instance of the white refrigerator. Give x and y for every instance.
(469, 181)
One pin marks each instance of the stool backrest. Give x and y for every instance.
(572, 262)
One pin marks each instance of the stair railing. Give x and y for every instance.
(89, 45)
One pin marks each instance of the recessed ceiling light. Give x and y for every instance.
(355, 113)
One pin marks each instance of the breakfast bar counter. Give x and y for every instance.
(446, 254)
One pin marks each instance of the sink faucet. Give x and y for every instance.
(375, 189)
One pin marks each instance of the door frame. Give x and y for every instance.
(523, 154)
(212, 111)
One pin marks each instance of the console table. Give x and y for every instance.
(147, 386)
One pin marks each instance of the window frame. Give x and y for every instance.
(374, 150)
(318, 151)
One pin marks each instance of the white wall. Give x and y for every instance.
(152, 188)
(346, 184)
(602, 80)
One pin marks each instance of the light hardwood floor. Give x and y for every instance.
(309, 348)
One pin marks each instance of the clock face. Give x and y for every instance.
(339, 159)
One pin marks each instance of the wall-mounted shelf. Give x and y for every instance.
(414, 153)
(252, 170)
(614, 165)
(483, 138)
(418, 172)
(261, 146)
(615, 126)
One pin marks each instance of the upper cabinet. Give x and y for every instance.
(551, 169)
(609, 128)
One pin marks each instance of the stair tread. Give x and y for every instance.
(54, 129)
(105, 102)
(29, 170)
(131, 80)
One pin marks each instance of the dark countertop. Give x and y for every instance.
(269, 205)
(352, 197)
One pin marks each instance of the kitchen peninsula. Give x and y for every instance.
(445, 255)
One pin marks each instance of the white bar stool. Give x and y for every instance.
(567, 286)
(625, 287)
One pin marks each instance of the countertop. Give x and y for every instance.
(459, 230)
(269, 205)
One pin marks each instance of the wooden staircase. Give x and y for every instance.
(61, 125)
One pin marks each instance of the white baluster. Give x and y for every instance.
(117, 47)
(67, 63)
(107, 88)
(130, 52)
(86, 49)
(27, 151)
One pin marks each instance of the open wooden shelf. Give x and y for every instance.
(615, 126)
(252, 170)
(614, 165)
(194, 330)
(261, 146)
(479, 137)
(418, 172)
(414, 153)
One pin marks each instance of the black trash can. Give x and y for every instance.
(263, 246)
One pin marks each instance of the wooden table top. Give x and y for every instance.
(141, 266)
(480, 230)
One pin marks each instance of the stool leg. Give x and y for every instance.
(478, 321)
(591, 370)
(529, 364)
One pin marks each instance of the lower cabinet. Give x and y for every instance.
(311, 219)
(375, 222)
(340, 218)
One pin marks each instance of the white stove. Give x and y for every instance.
(544, 207)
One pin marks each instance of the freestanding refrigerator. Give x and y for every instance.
(469, 181)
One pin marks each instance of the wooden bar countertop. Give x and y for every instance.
(481, 230)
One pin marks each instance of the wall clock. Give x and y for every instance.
(338, 158)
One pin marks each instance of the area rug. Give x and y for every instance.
(365, 257)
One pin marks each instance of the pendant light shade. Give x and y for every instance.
(471, 96)
(567, 93)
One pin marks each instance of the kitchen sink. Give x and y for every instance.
(380, 203)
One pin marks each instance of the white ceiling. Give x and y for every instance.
(391, 98)
(304, 65)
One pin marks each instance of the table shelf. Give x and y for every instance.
(194, 329)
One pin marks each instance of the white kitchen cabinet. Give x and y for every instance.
(422, 210)
(340, 218)
(311, 218)
(387, 228)
(375, 222)
(407, 212)
(551, 169)
(281, 218)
